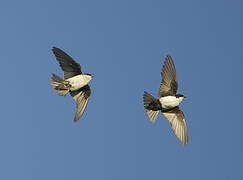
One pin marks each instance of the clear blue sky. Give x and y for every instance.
(122, 43)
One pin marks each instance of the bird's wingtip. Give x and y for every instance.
(75, 120)
(53, 48)
(168, 56)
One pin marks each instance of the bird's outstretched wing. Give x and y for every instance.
(169, 85)
(81, 97)
(178, 123)
(68, 65)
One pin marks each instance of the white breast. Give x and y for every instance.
(79, 81)
(169, 101)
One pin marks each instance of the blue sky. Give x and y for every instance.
(122, 43)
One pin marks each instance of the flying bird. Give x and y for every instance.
(75, 82)
(168, 101)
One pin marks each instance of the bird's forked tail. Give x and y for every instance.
(151, 106)
(60, 86)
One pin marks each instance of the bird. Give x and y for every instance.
(75, 82)
(168, 101)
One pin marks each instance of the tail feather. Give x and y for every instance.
(151, 106)
(60, 86)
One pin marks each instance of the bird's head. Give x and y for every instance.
(180, 96)
(87, 76)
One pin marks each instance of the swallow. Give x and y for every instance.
(75, 82)
(168, 102)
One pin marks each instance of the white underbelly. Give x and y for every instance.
(77, 82)
(169, 102)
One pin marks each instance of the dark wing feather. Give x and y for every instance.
(81, 97)
(68, 65)
(178, 124)
(169, 83)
